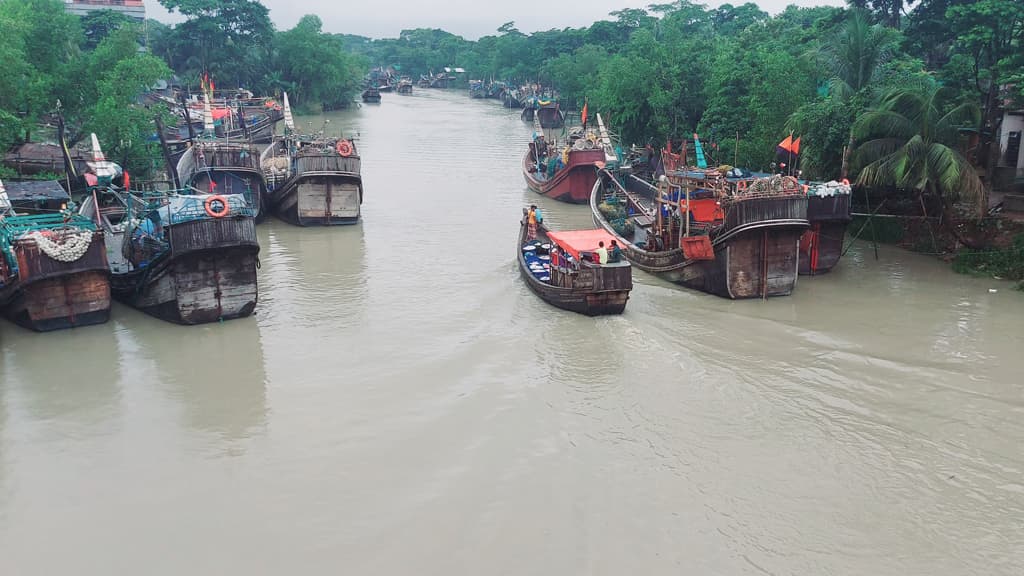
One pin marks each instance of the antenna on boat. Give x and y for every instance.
(289, 121)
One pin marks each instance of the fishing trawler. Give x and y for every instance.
(184, 258)
(218, 166)
(566, 171)
(53, 267)
(313, 180)
(727, 233)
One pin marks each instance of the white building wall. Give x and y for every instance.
(1011, 123)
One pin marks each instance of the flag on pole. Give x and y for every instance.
(796, 145)
(583, 115)
(787, 144)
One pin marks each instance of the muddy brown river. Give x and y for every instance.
(402, 404)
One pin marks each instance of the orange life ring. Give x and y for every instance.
(344, 148)
(845, 182)
(208, 205)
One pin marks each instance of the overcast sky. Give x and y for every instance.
(468, 18)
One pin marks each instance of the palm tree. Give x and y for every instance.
(909, 142)
(856, 54)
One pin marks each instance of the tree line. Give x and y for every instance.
(902, 93)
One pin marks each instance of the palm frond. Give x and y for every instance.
(883, 123)
(874, 150)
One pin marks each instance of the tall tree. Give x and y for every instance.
(231, 39)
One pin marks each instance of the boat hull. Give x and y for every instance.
(757, 258)
(821, 246)
(573, 183)
(209, 276)
(53, 295)
(321, 200)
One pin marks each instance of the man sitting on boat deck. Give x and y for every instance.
(615, 253)
(602, 253)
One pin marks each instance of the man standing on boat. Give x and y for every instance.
(531, 223)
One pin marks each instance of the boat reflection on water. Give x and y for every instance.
(311, 277)
(70, 377)
(216, 372)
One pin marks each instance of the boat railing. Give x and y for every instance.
(751, 210)
(328, 163)
(836, 207)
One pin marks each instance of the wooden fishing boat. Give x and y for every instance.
(477, 89)
(732, 238)
(184, 258)
(404, 85)
(53, 270)
(314, 181)
(566, 171)
(828, 211)
(371, 95)
(224, 167)
(555, 267)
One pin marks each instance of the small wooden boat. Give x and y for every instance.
(184, 258)
(53, 269)
(828, 211)
(371, 95)
(555, 266)
(405, 85)
(477, 89)
(733, 238)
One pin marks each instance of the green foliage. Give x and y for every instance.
(909, 141)
(313, 67)
(99, 24)
(1005, 263)
(230, 39)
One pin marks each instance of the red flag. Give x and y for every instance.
(796, 145)
(787, 144)
(583, 115)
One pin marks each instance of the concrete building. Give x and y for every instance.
(1011, 150)
(132, 8)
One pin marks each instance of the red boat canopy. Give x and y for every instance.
(576, 241)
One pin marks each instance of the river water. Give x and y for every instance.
(402, 404)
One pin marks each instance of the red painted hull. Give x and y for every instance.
(573, 183)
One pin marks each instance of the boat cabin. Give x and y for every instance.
(568, 259)
(34, 196)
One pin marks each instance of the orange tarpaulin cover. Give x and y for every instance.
(705, 210)
(576, 241)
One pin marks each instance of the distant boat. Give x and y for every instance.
(53, 266)
(477, 89)
(405, 85)
(556, 268)
(371, 95)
